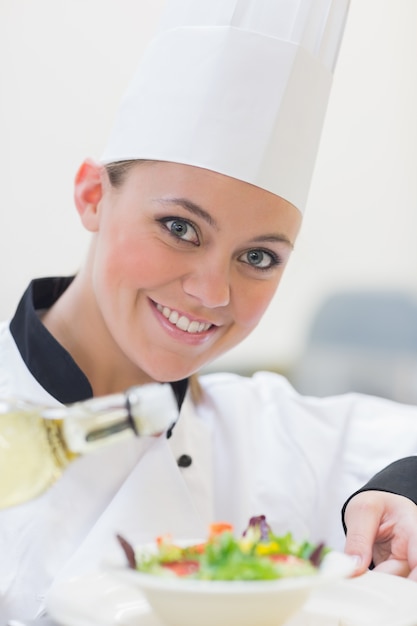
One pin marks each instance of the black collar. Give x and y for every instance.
(51, 365)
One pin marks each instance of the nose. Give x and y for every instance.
(209, 283)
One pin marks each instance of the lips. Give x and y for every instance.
(182, 322)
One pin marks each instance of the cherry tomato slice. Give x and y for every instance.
(182, 568)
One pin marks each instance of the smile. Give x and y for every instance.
(181, 321)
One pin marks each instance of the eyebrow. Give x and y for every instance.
(273, 239)
(195, 209)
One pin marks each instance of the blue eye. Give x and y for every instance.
(181, 229)
(259, 259)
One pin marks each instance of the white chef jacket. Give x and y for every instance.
(256, 447)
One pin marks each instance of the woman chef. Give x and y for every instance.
(194, 210)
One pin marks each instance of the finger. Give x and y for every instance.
(411, 539)
(396, 567)
(413, 574)
(362, 518)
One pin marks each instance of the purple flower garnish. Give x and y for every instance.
(259, 522)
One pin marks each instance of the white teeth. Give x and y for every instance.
(182, 322)
(172, 316)
(193, 327)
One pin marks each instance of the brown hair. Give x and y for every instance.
(117, 172)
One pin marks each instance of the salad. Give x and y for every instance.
(258, 554)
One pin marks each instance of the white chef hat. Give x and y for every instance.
(239, 87)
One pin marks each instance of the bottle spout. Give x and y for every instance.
(152, 409)
(145, 410)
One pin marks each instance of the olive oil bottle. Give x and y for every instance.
(37, 443)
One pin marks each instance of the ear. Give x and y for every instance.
(88, 192)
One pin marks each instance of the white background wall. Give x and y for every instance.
(63, 68)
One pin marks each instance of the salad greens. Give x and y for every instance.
(258, 555)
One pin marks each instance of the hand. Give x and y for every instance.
(382, 527)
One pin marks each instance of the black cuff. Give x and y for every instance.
(399, 477)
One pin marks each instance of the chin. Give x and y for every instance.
(171, 374)
(170, 367)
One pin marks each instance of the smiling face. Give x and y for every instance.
(184, 262)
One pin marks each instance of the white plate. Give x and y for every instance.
(184, 602)
(100, 599)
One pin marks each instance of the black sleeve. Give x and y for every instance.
(399, 477)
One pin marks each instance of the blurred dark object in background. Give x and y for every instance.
(364, 341)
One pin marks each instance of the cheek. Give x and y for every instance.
(252, 303)
(130, 261)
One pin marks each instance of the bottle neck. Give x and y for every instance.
(146, 410)
(57, 443)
